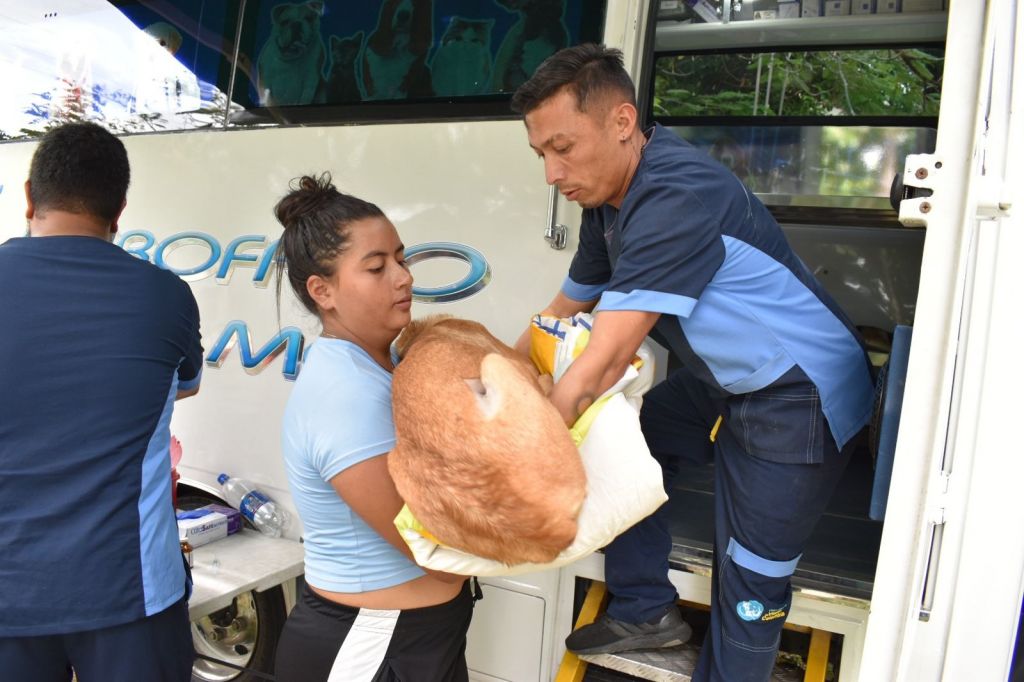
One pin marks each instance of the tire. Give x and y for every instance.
(244, 634)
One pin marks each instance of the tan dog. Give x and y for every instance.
(483, 459)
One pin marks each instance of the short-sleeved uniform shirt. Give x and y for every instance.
(739, 308)
(338, 415)
(94, 345)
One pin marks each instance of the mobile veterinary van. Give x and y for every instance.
(915, 572)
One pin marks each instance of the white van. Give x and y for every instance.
(817, 106)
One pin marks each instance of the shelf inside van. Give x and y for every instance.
(868, 29)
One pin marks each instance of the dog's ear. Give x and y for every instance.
(317, 7)
(276, 13)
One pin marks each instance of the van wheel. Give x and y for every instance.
(244, 634)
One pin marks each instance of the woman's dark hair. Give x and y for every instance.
(80, 168)
(316, 218)
(588, 70)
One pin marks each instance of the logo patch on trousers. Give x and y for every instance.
(750, 610)
(774, 614)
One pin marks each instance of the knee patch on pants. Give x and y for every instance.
(755, 595)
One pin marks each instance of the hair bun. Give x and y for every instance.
(308, 183)
(309, 194)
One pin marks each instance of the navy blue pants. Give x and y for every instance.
(765, 509)
(156, 649)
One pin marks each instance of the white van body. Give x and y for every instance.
(947, 590)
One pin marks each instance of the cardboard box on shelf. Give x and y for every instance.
(201, 527)
(887, 6)
(810, 8)
(234, 516)
(835, 8)
(862, 7)
(703, 9)
(789, 9)
(762, 14)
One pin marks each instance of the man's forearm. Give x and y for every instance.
(613, 343)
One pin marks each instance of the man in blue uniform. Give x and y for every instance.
(775, 382)
(95, 347)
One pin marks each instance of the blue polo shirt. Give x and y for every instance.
(94, 345)
(738, 307)
(338, 415)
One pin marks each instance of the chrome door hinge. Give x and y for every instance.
(937, 510)
(555, 234)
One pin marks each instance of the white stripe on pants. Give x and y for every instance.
(364, 647)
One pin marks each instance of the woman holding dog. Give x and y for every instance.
(368, 612)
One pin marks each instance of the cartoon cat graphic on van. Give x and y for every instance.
(343, 82)
(538, 34)
(462, 63)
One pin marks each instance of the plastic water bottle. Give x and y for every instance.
(255, 505)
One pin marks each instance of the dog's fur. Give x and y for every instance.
(291, 62)
(482, 459)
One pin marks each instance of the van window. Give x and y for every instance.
(146, 66)
(827, 83)
(315, 62)
(123, 65)
(803, 123)
(811, 160)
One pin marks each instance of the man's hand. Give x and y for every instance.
(614, 340)
(186, 393)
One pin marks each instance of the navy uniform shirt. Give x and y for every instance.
(94, 345)
(738, 307)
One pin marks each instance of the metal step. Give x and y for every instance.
(674, 664)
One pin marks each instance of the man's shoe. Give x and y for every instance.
(609, 636)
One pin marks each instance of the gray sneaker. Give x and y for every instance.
(609, 636)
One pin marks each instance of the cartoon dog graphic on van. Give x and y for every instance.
(394, 62)
(538, 34)
(290, 65)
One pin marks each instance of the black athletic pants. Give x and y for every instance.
(328, 642)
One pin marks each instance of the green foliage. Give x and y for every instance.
(882, 82)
